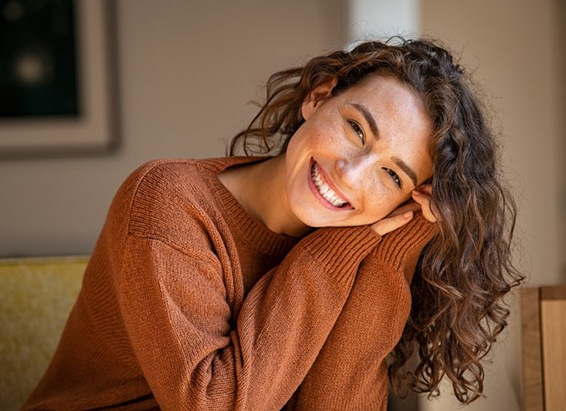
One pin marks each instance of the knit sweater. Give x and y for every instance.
(189, 303)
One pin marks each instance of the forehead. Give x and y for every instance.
(379, 86)
(390, 100)
(401, 118)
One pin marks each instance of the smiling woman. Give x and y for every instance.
(287, 280)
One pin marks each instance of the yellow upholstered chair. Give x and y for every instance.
(36, 297)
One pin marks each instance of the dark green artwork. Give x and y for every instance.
(38, 59)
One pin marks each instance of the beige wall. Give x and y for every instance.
(187, 70)
(513, 47)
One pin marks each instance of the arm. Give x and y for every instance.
(350, 372)
(191, 351)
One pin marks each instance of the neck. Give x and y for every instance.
(261, 189)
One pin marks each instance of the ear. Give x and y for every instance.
(317, 96)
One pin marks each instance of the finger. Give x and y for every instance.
(390, 224)
(425, 202)
(425, 188)
(412, 206)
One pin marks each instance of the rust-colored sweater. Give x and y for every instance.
(188, 303)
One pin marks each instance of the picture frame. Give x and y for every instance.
(95, 129)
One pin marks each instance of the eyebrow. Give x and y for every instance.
(368, 117)
(373, 126)
(408, 170)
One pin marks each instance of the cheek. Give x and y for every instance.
(318, 132)
(380, 201)
(380, 206)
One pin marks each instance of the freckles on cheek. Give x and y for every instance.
(385, 203)
(321, 137)
(325, 132)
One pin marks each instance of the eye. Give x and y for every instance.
(394, 177)
(358, 130)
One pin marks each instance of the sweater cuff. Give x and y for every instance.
(339, 250)
(405, 242)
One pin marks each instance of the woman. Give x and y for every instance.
(262, 283)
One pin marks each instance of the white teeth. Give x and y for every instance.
(325, 191)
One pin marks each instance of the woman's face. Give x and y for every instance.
(358, 155)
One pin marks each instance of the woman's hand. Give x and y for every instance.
(402, 215)
(422, 196)
(397, 219)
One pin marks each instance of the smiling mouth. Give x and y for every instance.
(324, 190)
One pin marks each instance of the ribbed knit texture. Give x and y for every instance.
(189, 303)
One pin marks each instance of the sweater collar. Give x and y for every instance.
(251, 230)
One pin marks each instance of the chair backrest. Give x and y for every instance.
(36, 297)
(543, 313)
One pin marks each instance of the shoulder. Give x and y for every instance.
(161, 171)
(166, 177)
(174, 200)
(160, 179)
(162, 196)
(148, 183)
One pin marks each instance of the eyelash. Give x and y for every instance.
(394, 177)
(358, 130)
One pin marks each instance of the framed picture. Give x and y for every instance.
(57, 78)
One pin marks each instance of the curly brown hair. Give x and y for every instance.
(466, 269)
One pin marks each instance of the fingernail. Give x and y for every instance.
(408, 214)
(417, 193)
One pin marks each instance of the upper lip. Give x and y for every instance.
(329, 181)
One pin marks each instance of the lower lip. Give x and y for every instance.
(319, 196)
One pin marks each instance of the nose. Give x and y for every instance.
(352, 171)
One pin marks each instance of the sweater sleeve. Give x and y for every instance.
(350, 373)
(195, 355)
